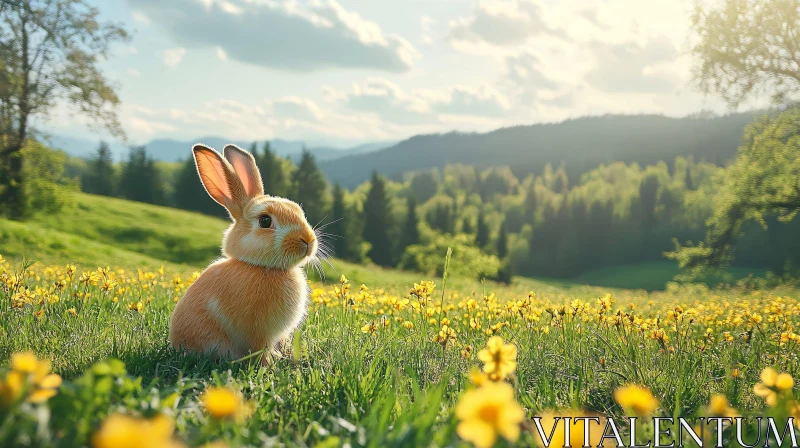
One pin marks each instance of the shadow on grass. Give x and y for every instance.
(164, 364)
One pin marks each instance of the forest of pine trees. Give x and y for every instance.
(540, 225)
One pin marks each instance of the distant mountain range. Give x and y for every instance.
(171, 150)
(581, 144)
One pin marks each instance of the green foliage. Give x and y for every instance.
(310, 189)
(763, 181)
(101, 177)
(273, 171)
(410, 233)
(748, 47)
(582, 144)
(467, 260)
(47, 190)
(425, 185)
(346, 229)
(501, 244)
(141, 180)
(49, 53)
(482, 231)
(377, 222)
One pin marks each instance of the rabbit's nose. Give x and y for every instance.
(308, 242)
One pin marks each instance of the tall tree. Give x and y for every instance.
(688, 178)
(530, 204)
(100, 178)
(310, 188)
(338, 226)
(49, 54)
(411, 227)
(501, 245)
(141, 179)
(648, 200)
(748, 47)
(763, 181)
(482, 231)
(466, 226)
(272, 172)
(376, 222)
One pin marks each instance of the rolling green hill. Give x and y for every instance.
(104, 231)
(582, 144)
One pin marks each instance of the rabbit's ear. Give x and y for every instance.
(245, 167)
(219, 180)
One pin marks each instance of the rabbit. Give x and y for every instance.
(254, 297)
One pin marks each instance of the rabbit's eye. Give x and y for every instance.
(265, 222)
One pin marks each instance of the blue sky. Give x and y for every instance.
(345, 72)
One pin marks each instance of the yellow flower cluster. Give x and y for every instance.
(490, 410)
(53, 284)
(710, 319)
(29, 379)
(123, 431)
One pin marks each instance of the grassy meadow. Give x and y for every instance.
(384, 358)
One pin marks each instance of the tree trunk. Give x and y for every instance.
(13, 198)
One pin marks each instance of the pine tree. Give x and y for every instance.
(501, 246)
(141, 179)
(648, 200)
(376, 222)
(688, 178)
(466, 226)
(530, 204)
(482, 232)
(310, 189)
(101, 177)
(411, 227)
(338, 226)
(272, 172)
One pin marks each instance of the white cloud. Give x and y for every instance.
(631, 67)
(392, 104)
(140, 18)
(480, 101)
(221, 55)
(133, 73)
(426, 24)
(501, 23)
(296, 108)
(173, 56)
(323, 34)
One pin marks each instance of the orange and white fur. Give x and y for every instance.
(254, 297)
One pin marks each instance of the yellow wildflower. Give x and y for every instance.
(637, 399)
(719, 406)
(772, 384)
(489, 412)
(499, 359)
(122, 431)
(222, 402)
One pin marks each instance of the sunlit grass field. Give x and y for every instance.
(384, 358)
(373, 367)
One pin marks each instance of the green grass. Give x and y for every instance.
(649, 276)
(43, 243)
(337, 384)
(162, 233)
(398, 387)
